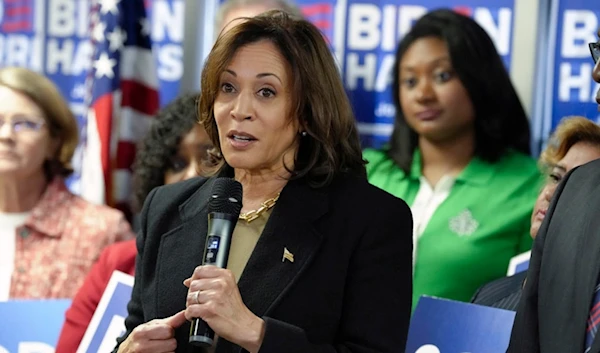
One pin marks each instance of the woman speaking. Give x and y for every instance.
(320, 260)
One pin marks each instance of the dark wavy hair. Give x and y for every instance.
(500, 120)
(161, 143)
(319, 100)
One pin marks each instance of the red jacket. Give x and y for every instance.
(119, 256)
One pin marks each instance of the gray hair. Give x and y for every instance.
(286, 5)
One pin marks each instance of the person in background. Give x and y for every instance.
(304, 273)
(170, 152)
(576, 141)
(459, 155)
(49, 238)
(560, 303)
(230, 10)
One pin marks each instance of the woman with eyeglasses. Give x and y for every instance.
(171, 151)
(49, 238)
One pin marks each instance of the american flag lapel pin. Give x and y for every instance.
(287, 255)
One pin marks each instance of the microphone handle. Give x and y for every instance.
(216, 252)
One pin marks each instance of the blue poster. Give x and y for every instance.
(570, 89)
(52, 37)
(108, 322)
(364, 35)
(167, 21)
(446, 326)
(31, 326)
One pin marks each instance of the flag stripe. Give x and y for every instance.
(18, 11)
(137, 64)
(16, 26)
(122, 179)
(126, 155)
(92, 179)
(317, 9)
(322, 24)
(103, 107)
(139, 97)
(133, 125)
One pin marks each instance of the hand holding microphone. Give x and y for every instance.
(214, 296)
(154, 336)
(214, 301)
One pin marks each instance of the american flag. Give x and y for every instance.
(123, 97)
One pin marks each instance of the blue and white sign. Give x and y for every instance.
(108, 322)
(570, 89)
(167, 21)
(446, 326)
(31, 326)
(364, 36)
(53, 37)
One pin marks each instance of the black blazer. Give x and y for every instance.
(563, 270)
(503, 293)
(348, 290)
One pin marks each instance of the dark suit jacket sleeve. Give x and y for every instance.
(503, 293)
(135, 315)
(378, 296)
(525, 334)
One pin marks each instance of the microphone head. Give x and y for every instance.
(226, 197)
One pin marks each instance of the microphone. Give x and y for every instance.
(224, 208)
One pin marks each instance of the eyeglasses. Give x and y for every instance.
(23, 125)
(595, 50)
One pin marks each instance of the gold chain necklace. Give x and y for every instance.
(254, 214)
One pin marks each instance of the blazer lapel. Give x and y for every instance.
(187, 241)
(286, 246)
(267, 275)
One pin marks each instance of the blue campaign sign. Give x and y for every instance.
(167, 21)
(364, 36)
(31, 326)
(53, 37)
(108, 322)
(446, 326)
(570, 89)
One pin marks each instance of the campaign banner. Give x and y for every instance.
(447, 326)
(31, 326)
(167, 21)
(108, 322)
(570, 89)
(52, 37)
(364, 35)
